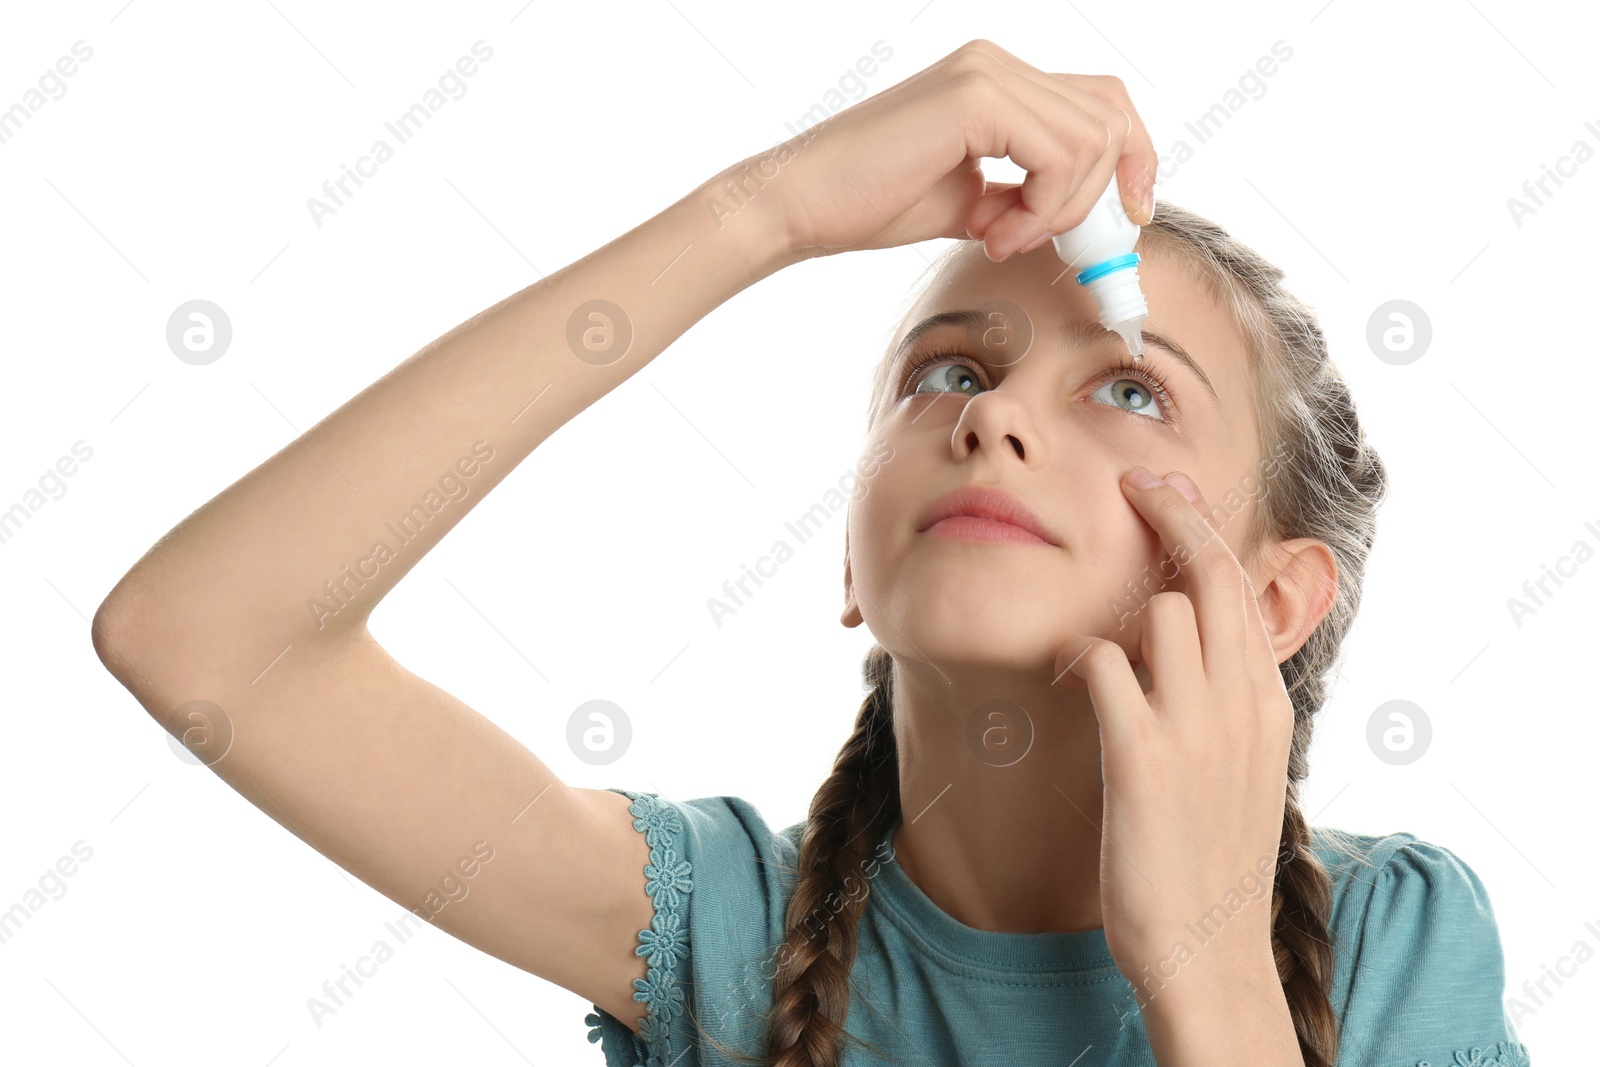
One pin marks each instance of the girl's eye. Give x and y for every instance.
(1129, 386)
(1132, 394)
(956, 375)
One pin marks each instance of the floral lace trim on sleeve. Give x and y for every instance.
(666, 941)
(1506, 1054)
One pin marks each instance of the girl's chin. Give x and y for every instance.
(981, 629)
(976, 645)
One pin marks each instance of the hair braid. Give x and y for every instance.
(858, 801)
(1301, 899)
(811, 990)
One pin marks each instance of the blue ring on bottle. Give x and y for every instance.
(1101, 269)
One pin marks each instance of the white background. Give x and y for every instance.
(1376, 165)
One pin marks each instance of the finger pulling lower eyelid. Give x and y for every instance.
(1185, 485)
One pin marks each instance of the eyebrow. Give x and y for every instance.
(1072, 333)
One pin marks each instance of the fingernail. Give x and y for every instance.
(1036, 242)
(1184, 484)
(1143, 479)
(1144, 191)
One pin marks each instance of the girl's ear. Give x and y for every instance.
(851, 616)
(1299, 587)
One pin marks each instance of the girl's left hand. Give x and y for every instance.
(1195, 771)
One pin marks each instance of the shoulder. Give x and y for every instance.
(719, 871)
(718, 878)
(1398, 885)
(1419, 966)
(720, 830)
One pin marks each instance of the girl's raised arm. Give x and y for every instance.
(387, 775)
(473, 403)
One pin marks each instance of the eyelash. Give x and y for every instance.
(1124, 368)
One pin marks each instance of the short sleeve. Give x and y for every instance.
(1426, 969)
(717, 882)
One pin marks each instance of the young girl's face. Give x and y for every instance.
(1056, 428)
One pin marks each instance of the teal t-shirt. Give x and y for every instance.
(1418, 979)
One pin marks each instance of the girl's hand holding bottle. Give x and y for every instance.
(903, 166)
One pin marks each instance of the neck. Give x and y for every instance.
(1000, 794)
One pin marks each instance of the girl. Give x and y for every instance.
(1067, 826)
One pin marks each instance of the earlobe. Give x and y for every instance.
(851, 616)
(1299, 595)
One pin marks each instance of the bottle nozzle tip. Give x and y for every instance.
(1132, 337)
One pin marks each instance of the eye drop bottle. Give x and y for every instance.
(1100, 249)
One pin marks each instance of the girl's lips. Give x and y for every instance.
(972, 528)
(989, 502)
